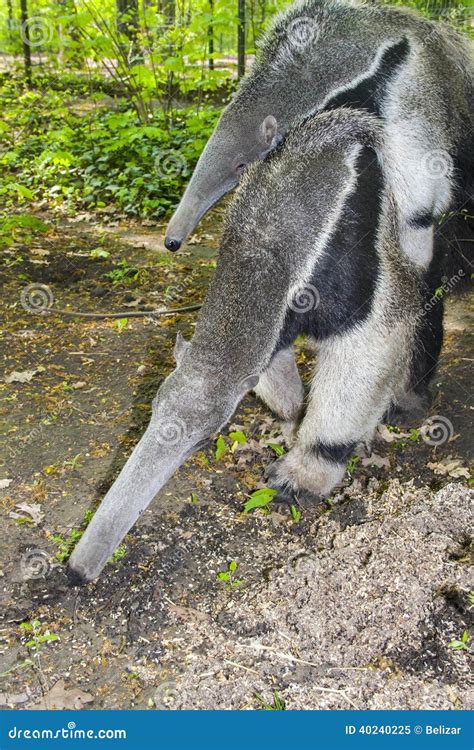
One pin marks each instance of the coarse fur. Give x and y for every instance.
(304, 224)
(414, 74)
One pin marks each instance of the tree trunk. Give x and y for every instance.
(241, 39)
(210, 33)
(10, 20)
(168, 9)
(25, 36)
(127, 23)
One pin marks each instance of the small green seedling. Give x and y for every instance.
(227, 576)
(352, 464)
(221, 448)
(194, 498)
(38, 634)
(99, 252)
(277, 705)
(470, 596)
(16, 667)
(120, 324)
(123, 273)
(74, 462)
(461, 644)
(119, 554)
(260, 498)
(66, 544)
(238, 438)
(276, 448)
(295, 513)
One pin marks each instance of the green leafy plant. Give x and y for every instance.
(276, 448)
(221, 448)
(295, 513)
(352, 464)
(121, 323)
(119, 553)
(228, 577)
(65, 544)
(17, 667)
(38, 634)
(260, 499)
(278, 703)
(99, 253)
(73, 462)
(238, 438)
(20, 227)
(461, 644)
(123, 273)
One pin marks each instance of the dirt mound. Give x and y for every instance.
(363, 617)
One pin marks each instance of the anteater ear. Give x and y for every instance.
(269, 129)
(180, 347)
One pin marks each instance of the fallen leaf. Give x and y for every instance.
(388, 436)
(79, 384)
(24, 376)
(41, 251)
(374, 459)
(84, 216)
(32, 509)
(4, 483)
(133, 303)
(11, 699)
(449, 467)
(61, 698)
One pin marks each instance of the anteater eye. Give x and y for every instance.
(239, 168)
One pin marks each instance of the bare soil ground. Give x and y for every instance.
(352, 605)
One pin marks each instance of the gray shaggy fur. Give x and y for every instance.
(276, 242)
(415, 74)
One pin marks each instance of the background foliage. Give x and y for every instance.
(107, 105)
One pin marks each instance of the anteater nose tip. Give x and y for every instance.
(171, 244)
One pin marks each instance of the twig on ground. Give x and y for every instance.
(126, 313)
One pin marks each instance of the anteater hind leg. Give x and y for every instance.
(411, 406)
(355, 378)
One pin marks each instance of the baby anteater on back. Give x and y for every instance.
(310, 246)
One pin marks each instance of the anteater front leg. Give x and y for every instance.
(280, 386)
